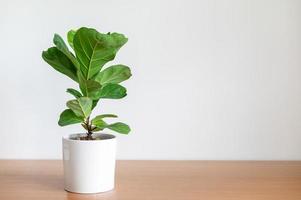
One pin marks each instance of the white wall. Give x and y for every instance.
(211, 79)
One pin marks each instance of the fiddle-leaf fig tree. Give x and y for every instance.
(85, 64)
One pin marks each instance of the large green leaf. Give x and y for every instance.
(119, 127)
(113, 74)
(60, 44)
(94, 49)
(74, 92)
(60, 62)
(68, 117)
(89, 88)
(93, 89)
(112, 91)
(81, 107)
(70, 37)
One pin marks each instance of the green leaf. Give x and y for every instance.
(105, 116)
(60, 62)
(99, 123)
(96, 129)
(74, 92)
(113, 74)
(70, 37)
(112, 91)
(94, 49)
(90, 88)
(94, 104)
(119, 127)
(68, 117)
(93, 89)
(81, 107)
(60, 44)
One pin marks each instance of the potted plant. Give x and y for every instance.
(89, 158)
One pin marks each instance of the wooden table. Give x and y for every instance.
(166, 180)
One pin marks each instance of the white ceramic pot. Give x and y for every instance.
(89, 165)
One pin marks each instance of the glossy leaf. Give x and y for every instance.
(68, 117)
(81, 107)
(113, 74)
(60, 44)
(96, 129)
(105, 116)
(74, 92)
(119, 127)
(94, 49)
(70, 37)
(60, 62)
(90, 88)
(93, 89)
(94, 103)
(99, 123)
(112, 91)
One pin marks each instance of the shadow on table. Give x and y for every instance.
(76, 196)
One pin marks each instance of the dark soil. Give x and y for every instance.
(88, 137)
(91, 137)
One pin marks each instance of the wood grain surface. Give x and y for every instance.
(151, 180)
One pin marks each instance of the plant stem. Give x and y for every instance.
(89, 126)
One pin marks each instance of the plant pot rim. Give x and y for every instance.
(107, 137)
